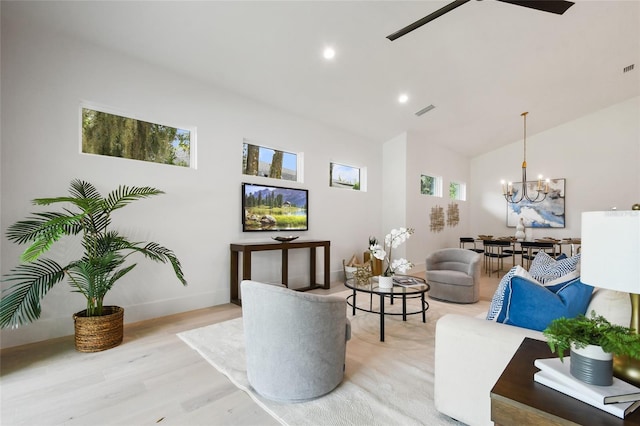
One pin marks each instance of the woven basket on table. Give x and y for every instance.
(94, 334)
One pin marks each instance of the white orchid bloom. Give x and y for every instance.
(401, 265)
(377, 251)
(397, 237)
(392, 240)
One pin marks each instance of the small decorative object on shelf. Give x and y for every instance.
(390, 266)
(285, 239)
(580, 333)
(636, 206)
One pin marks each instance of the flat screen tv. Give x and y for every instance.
(274, 208)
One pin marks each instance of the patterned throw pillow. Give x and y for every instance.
(498, 297)
(545, 268)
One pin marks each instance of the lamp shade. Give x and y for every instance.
(610, 250)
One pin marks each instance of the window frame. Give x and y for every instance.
(119, 113)
(362, 176)
(437, 185)
(299, 160)
(461, 191)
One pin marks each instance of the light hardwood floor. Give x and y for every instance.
(152, 378)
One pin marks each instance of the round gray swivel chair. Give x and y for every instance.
(454, 275)
(295, 342)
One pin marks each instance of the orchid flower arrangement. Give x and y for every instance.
(383, 252)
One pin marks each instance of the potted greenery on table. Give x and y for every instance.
(104, 261)
(592, 342)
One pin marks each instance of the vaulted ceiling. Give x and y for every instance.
(480, 65)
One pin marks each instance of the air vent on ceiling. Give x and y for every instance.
(425, 110)
(628, 68)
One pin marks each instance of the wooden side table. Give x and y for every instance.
(517, 400)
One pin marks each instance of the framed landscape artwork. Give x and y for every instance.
(546, 214)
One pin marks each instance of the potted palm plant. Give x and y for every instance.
(592, 342)
(104, 261)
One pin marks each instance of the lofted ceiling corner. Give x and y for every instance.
(481, 64)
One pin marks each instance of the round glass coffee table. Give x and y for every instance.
(404, 287)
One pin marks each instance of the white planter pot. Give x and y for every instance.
(592, 365)
(385, 282)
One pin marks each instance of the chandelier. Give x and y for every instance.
(541, 189)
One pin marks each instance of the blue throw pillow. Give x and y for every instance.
(497, 302)
(531, 305)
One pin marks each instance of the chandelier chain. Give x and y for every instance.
(541, 191)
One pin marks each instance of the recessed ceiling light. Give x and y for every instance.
(329, 53)
(403, 98)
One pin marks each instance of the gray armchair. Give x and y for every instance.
(454, 275)
(295, 342)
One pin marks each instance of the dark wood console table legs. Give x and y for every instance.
(247, 248)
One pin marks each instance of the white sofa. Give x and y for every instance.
(471, 353)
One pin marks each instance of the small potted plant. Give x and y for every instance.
(592, 340)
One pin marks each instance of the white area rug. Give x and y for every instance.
(385, 383)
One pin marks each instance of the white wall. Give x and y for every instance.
(406, 158)
(429, 158)
(394, 190)
(44, 79)
(597, 154)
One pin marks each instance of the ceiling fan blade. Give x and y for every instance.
(558, 7)
(430, 17)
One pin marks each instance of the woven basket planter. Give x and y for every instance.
(95, 334)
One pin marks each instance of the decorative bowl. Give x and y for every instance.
(285, 239)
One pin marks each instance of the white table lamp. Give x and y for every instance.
(611, 259)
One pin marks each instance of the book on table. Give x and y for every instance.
(620, 409)
(407, 281)
(619, 391)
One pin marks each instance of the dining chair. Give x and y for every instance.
(531, 248)
(469, 240)
(495, 250)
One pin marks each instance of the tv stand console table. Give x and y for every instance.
(247, 248)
